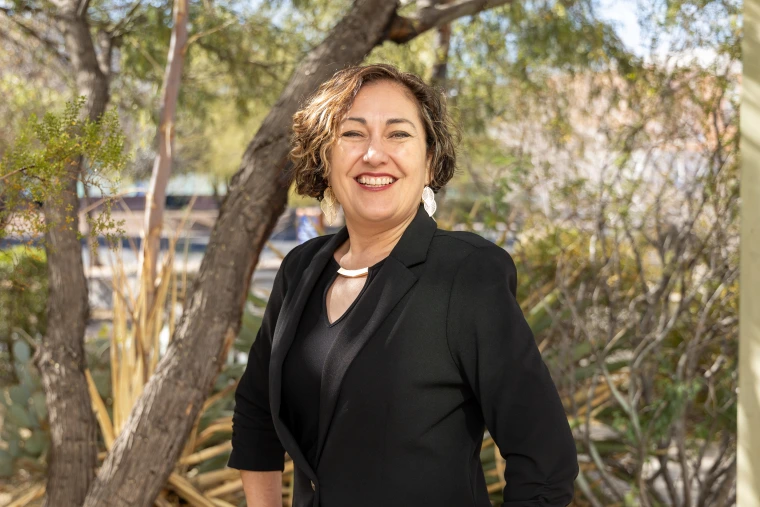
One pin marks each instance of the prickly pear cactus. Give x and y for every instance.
(24, 414)
(23, 319)
(23, 302)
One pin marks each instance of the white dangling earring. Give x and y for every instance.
(428, 198)
(329, 206)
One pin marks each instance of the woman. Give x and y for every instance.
(389, 347)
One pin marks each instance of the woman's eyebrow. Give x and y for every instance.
(389, 121)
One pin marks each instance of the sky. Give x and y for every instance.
(622, 13)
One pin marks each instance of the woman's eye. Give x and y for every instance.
(400, 134)
(351, 133)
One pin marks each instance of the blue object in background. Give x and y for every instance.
(305, 229)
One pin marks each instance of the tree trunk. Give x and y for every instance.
(162, 167)
(72, 458)
(144, 454)
(442, 43)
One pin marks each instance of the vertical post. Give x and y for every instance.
(748, 459)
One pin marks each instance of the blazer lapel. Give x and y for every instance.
(284, 333)
(392, 282)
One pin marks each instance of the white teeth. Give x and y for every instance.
(367, 180)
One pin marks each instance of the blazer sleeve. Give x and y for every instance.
(255, 444)
(495, 350)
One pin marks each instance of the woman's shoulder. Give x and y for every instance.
(477, 269)
(463, 237)
(460, 245)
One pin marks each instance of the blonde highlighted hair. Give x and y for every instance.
(315, 125)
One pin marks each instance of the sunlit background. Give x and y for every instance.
(600, 147)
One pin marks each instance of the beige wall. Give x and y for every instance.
(749, 326)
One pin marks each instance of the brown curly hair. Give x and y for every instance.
(315, 125)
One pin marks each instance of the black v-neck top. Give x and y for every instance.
(302, 368)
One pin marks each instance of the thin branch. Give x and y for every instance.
(198, 35)
(50, 45)
(19, 170)
(156, 66)
(585, 488)
(119, 28)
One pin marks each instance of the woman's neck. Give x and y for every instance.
(366, 247)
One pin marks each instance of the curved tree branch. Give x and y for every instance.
(433, 14)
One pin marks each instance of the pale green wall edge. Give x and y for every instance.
(748, 465)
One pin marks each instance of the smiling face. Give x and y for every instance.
(379, 162)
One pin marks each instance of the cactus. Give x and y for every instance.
(25, 429)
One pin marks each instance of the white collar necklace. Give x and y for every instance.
(353, 273)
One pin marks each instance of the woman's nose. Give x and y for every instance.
(375, 154)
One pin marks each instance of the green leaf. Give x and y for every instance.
(6, 464)
(20, 394)
(13, 446)
(39, 406)
(36, 444)
(19, 416)
(22, 351)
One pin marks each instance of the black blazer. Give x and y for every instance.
(435, 352)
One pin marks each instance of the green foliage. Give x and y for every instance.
(416, 56)
(236, 66)
(23, 303)
(670, 405)
(22, 97)
(624, 228)
(249, 328)
(23, 408)
(97, 350)
(506, 55)
(24, 413)
(38, 167)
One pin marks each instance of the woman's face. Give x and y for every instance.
(379, 161)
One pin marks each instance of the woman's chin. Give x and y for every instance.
(376, 214)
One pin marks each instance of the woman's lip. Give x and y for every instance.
(375, 189)
(377, 175)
